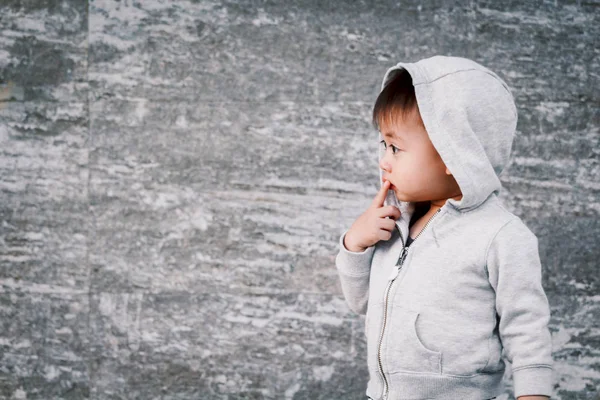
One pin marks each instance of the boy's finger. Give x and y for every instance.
(380, 197)
(390, 212)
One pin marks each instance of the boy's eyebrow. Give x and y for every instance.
(392, 135)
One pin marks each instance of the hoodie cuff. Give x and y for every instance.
(531, 381)
(354, 263)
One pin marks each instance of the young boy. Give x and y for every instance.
(448, 277)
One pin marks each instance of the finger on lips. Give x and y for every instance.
(380, 197)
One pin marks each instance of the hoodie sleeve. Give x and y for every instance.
(515, 273)
(354, 270)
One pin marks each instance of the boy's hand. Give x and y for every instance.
(373, 225)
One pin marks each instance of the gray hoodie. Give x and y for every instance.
(467, 292)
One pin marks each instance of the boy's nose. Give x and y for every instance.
(384, 165)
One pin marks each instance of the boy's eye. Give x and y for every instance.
(394, 148)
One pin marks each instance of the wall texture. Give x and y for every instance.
(174, 176)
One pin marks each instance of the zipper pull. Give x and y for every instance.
(402, 256)
(398, 266)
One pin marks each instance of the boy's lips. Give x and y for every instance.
(392, 187)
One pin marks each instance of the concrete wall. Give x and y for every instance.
(174, 176)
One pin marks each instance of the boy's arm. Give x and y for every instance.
(354, 269)
(515, 273)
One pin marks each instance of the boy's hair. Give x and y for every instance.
(396, 101)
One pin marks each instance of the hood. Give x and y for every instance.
(471, 118)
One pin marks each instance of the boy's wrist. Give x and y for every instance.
(351, 247)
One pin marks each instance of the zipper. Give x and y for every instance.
(391, 280)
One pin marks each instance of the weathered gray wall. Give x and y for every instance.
(174, 177)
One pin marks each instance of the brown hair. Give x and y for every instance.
(397, 100)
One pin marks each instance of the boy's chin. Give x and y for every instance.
(405, 199)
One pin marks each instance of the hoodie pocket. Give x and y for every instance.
(404, 350)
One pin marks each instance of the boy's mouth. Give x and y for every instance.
(392, 187)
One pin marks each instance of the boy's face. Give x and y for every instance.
(412, 164)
